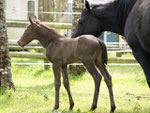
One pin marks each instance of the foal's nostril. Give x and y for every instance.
(19, 43)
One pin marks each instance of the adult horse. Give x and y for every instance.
(129, 18)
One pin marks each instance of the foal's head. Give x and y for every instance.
(30, 33)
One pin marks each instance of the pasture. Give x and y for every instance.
(35, 91)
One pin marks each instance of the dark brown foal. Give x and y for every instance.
(62, 51)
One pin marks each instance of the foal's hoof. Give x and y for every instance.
(93, 108)
(55, 108)
(71, 106)
(113, 109)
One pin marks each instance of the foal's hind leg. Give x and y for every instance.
(66, 85)
(108, 81)
(97, 79)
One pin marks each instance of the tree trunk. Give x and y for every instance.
(5, 63)
(78, 6)
(45, 6)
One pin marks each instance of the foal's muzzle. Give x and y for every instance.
(19, 42)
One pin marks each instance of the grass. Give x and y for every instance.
(35, 91)
(129, 55)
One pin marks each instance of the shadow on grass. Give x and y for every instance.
(73, 77)
(37, 87)
(39, 72)
(48, 86)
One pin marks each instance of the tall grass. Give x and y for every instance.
(35, 91)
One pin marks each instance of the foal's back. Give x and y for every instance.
(88, 47)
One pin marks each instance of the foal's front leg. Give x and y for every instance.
(67, 86)
(56, 70)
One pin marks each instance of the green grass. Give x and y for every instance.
(35, 91)
(129, 55)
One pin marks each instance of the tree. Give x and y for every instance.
(47, 6)
(77, 6)
(44, 6)
(5, 63)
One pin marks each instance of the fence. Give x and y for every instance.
(23, 24)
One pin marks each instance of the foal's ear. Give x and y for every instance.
(35, 17)
(87, 5)
(30, 20)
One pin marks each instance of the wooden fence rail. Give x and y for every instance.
(36, 45)
(42, 56)
(23, 24)
(27, 55)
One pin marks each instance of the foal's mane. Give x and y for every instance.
(51, 30)
(46, 29)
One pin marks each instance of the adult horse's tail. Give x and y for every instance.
(104, 51)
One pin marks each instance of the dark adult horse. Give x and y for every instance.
(129, 18)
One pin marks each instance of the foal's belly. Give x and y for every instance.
(70, 60)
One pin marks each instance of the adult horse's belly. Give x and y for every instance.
(143, 25)
(139, 23)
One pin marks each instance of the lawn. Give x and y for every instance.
(35, 91)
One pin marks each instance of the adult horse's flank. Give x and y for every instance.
(61, 51)
(130, 18)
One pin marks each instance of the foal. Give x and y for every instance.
(61, 51)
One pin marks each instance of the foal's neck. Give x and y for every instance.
(47, 35)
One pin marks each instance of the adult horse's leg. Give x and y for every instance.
(56, 69)
(134, 34)
(97, 79)
(108, 81)
(66, 85)
(143, 58)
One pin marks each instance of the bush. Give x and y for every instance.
(77, 69)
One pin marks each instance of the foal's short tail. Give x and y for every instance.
(104, 51)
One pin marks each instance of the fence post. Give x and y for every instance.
(117, 40)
